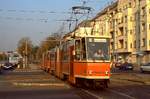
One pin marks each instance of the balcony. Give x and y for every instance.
(120, 50)
(145, 45)
(111, 40)
(123, 50)
(144, 48)
(142, 19)
(120, 25)
(120, 37)
(111, 29)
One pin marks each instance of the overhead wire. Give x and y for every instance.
(34, 11)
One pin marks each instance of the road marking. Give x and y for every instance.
(116, 92)
(39, 84)
(94, 95)
(122, 94)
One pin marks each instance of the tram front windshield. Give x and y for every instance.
(98, 49)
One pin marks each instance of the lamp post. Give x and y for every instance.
(138, 29)
(26, 54)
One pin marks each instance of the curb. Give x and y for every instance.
(133, 80)
(138, 81)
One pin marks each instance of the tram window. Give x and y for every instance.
(83, 49)
(77, 49)
(98, 46)
(48, 56)
(52, 56)
(65, 54)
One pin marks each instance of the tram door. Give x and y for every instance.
(71, 64)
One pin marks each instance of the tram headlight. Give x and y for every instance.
(90, 72)
(106, 72)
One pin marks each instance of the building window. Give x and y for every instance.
(135, 44)
(112, 45)
(131, 32)
(149, 26)
(126, 19)
(143, 26)
(139, 44)
(120, 31)
(121, 19)
(126, 30)
(131, 18)
(112, 36)
(143, 41)
(143, 11)
(125, 44)
(131, 45)
(129, 5)
(120, 44)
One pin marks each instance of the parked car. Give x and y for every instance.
(1, 64)
(118, 64)
(145, 67)
(7, 66)
(0, 70)
(126, 66)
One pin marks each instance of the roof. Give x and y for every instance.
(85, 23)
(104, 11)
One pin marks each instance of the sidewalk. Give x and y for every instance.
(30, 68)
(133, 77)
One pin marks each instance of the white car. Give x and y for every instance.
(145, 67)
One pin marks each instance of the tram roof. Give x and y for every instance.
(69, 37)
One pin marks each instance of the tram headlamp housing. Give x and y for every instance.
(106, 72)
(90, 72)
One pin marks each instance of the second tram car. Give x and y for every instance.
(82, 60)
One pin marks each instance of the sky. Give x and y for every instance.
(35, 19)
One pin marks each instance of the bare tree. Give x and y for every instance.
(25, 46)
(47, 44)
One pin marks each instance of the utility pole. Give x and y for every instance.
(26, 55)
(138, 30)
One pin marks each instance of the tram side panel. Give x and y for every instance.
(52, 62)
(66, 60)
(71, 66)
(65, 67)
(58, 63)
(48, 64)
(44, 62)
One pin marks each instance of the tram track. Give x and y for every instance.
(100, 93)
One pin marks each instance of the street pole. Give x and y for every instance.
(138, 28)
(26, 57)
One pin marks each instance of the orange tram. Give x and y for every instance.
(75, 60)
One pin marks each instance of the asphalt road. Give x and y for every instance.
(36, 84)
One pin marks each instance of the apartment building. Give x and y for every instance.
(144, 35)
(124, 26)
(133, 35)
